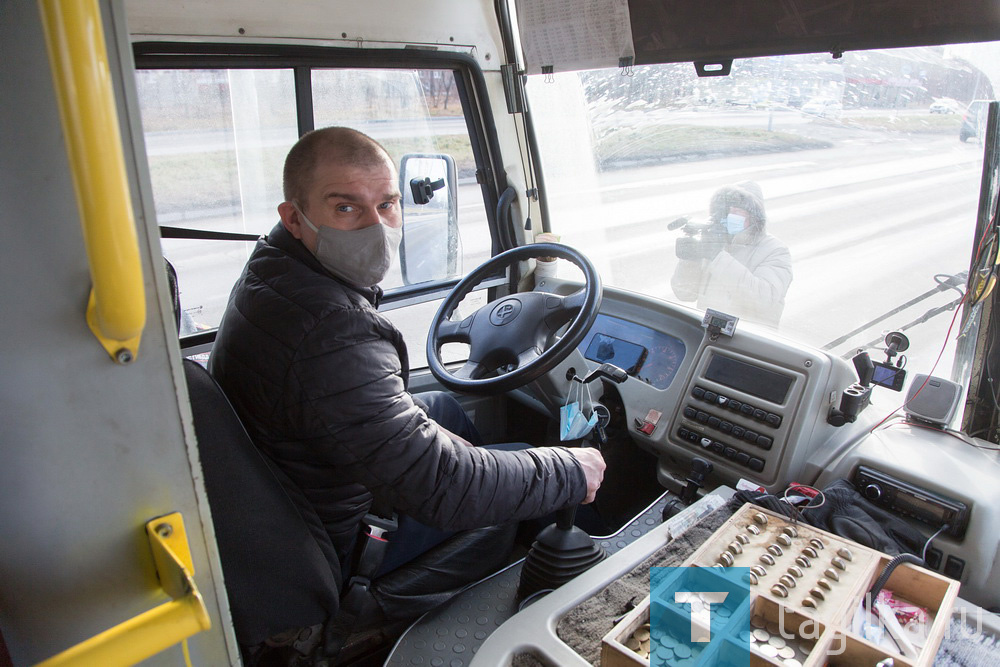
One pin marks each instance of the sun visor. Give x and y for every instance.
(569, 35)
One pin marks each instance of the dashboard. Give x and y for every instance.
(753, 404)
(756, 406)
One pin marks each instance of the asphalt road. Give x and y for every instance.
(206, 141)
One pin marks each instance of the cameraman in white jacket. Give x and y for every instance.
(735, 266)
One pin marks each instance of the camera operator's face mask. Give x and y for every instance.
(735, 223)
(360, 257)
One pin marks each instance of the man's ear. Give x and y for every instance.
(290, 219)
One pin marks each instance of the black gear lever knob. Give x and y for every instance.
(700, 468)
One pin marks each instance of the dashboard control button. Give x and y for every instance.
(682, 433)
(710, 396)
(746, 409)
(764, 442)
(750, 436)
(730, 452)
(702, 416)
(738, 431)
(742, 458)
(756, 464)
(953, 567)
(773, 419)
(722, 400)
(726, 427)
(690, 412)
(705, 442)
(714, 422)
(760, 415)
(717, 447)
(698, 392)
(734, 405)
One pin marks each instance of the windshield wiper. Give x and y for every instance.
(944, 282)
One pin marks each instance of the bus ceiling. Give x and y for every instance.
(569, 35)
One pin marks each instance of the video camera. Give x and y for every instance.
(701, 240)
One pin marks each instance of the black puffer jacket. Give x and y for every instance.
(318, 377)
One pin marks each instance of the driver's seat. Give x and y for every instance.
(282, 574)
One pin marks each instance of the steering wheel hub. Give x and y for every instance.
(505, 312)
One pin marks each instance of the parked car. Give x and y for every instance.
(945, 105)
(822, 107)
(974, 120)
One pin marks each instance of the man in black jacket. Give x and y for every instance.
(319, 377)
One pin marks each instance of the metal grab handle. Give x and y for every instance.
(74, 36)
(157, 629)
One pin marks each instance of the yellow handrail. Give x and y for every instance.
(74, 35)
(157, 629)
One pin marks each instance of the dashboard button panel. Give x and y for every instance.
(771, 419)
(707, 443)
(711, 426)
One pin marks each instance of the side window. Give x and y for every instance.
(216, 141)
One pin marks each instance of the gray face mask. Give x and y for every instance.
(360, 257)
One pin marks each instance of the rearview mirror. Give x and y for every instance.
(430, 247)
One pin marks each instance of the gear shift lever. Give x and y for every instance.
(700, 468)
(561, 551)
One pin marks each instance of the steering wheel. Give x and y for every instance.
(511, 338)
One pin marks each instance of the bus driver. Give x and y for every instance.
(319, 376)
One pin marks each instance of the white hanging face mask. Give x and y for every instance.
(360, 257)
(573, 423)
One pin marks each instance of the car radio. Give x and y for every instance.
(907, 500)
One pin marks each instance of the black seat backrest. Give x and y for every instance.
(280, 567)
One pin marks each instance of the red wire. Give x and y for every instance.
(979, 250)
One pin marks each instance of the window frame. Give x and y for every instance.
(302, 60)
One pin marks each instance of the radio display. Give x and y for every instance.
(750, 379)
(923, 508)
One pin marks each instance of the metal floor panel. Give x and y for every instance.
(450, 635)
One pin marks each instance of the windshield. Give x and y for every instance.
(823, 198)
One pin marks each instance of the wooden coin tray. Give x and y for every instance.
(819, 630)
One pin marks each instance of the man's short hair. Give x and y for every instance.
(342, 144)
